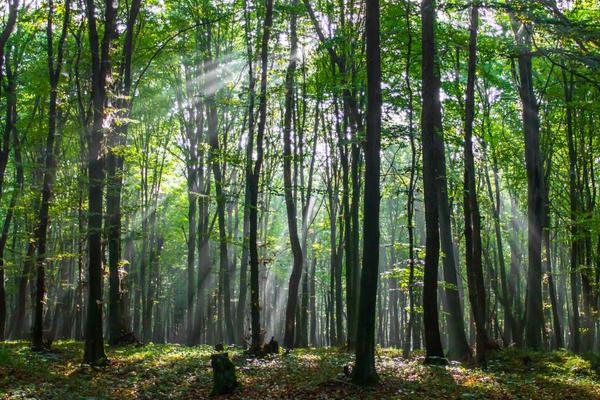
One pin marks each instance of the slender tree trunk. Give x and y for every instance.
(215, 160)
(252, 180)
(313, 304)
(505, 299)
(6, 228)
(241, 306)
(101, 63)
(514, 282)
(364, 372)
(117, 324)
(556, 325)
(431, 121)
(290, 205)
(10, 22)
(11, 117)
(531, 128)
(410, 201)
(473, 245)
(54, 71)
(574, 201)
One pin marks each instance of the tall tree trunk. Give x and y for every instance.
(535, 208)
(431, 121)
(101, 64)
(6, 228)
(191, 237)
(473, 246)
(254, 178)
(215, 158)
(117, 324)
(241, 306)
(394, 331)
(505, 297)
(514, 282)
(410, 201)
(556, 325)
(364, 372)
(290, 204)
(458, 348)
(54, 72)
(574, 202)
(355, 167)
(11, 117)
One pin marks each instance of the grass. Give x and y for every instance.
(179, 372)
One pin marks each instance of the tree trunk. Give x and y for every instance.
(431, 121)
(505, 297)
(574, 201)
(252, 181)
(241, 306)
(473, 246)
(215, 160)
(313, 304)
(11, 117)
(101, 63)
(410, 201)
(531, 128)
(54, 72)
(117, 323)
(290, 205)
(364, 372)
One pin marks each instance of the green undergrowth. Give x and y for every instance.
(180, 372)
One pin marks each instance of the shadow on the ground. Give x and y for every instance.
(180, 372)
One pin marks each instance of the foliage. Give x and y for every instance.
(179, 372)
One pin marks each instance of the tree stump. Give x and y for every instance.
(224, 379)
(272, 347)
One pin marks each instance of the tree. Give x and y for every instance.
(290, 205)
(11, 21)
(574, 210)
(533, 162)
(431, 127)
(364, 372)
(252, 180)
(473, 246)
(118, 331)
(101, 66)
(54, 71)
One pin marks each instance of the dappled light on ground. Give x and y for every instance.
(179, 372)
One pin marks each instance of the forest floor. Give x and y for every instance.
(179, 372)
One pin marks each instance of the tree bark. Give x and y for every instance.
(431, 121)
(252, 181)
(11, 117)
(241, 306)
(117, 324)
(410, 201)
(40, 237)
(290, 204)
(364, 372)
(531, 128)
(473, 245)
(215, 160)
(574, 211)
(101, 64)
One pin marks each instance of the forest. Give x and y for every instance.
(299, 199)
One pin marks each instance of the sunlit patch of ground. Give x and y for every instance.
(179, 372)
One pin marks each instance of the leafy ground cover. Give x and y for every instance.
(179, 372)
